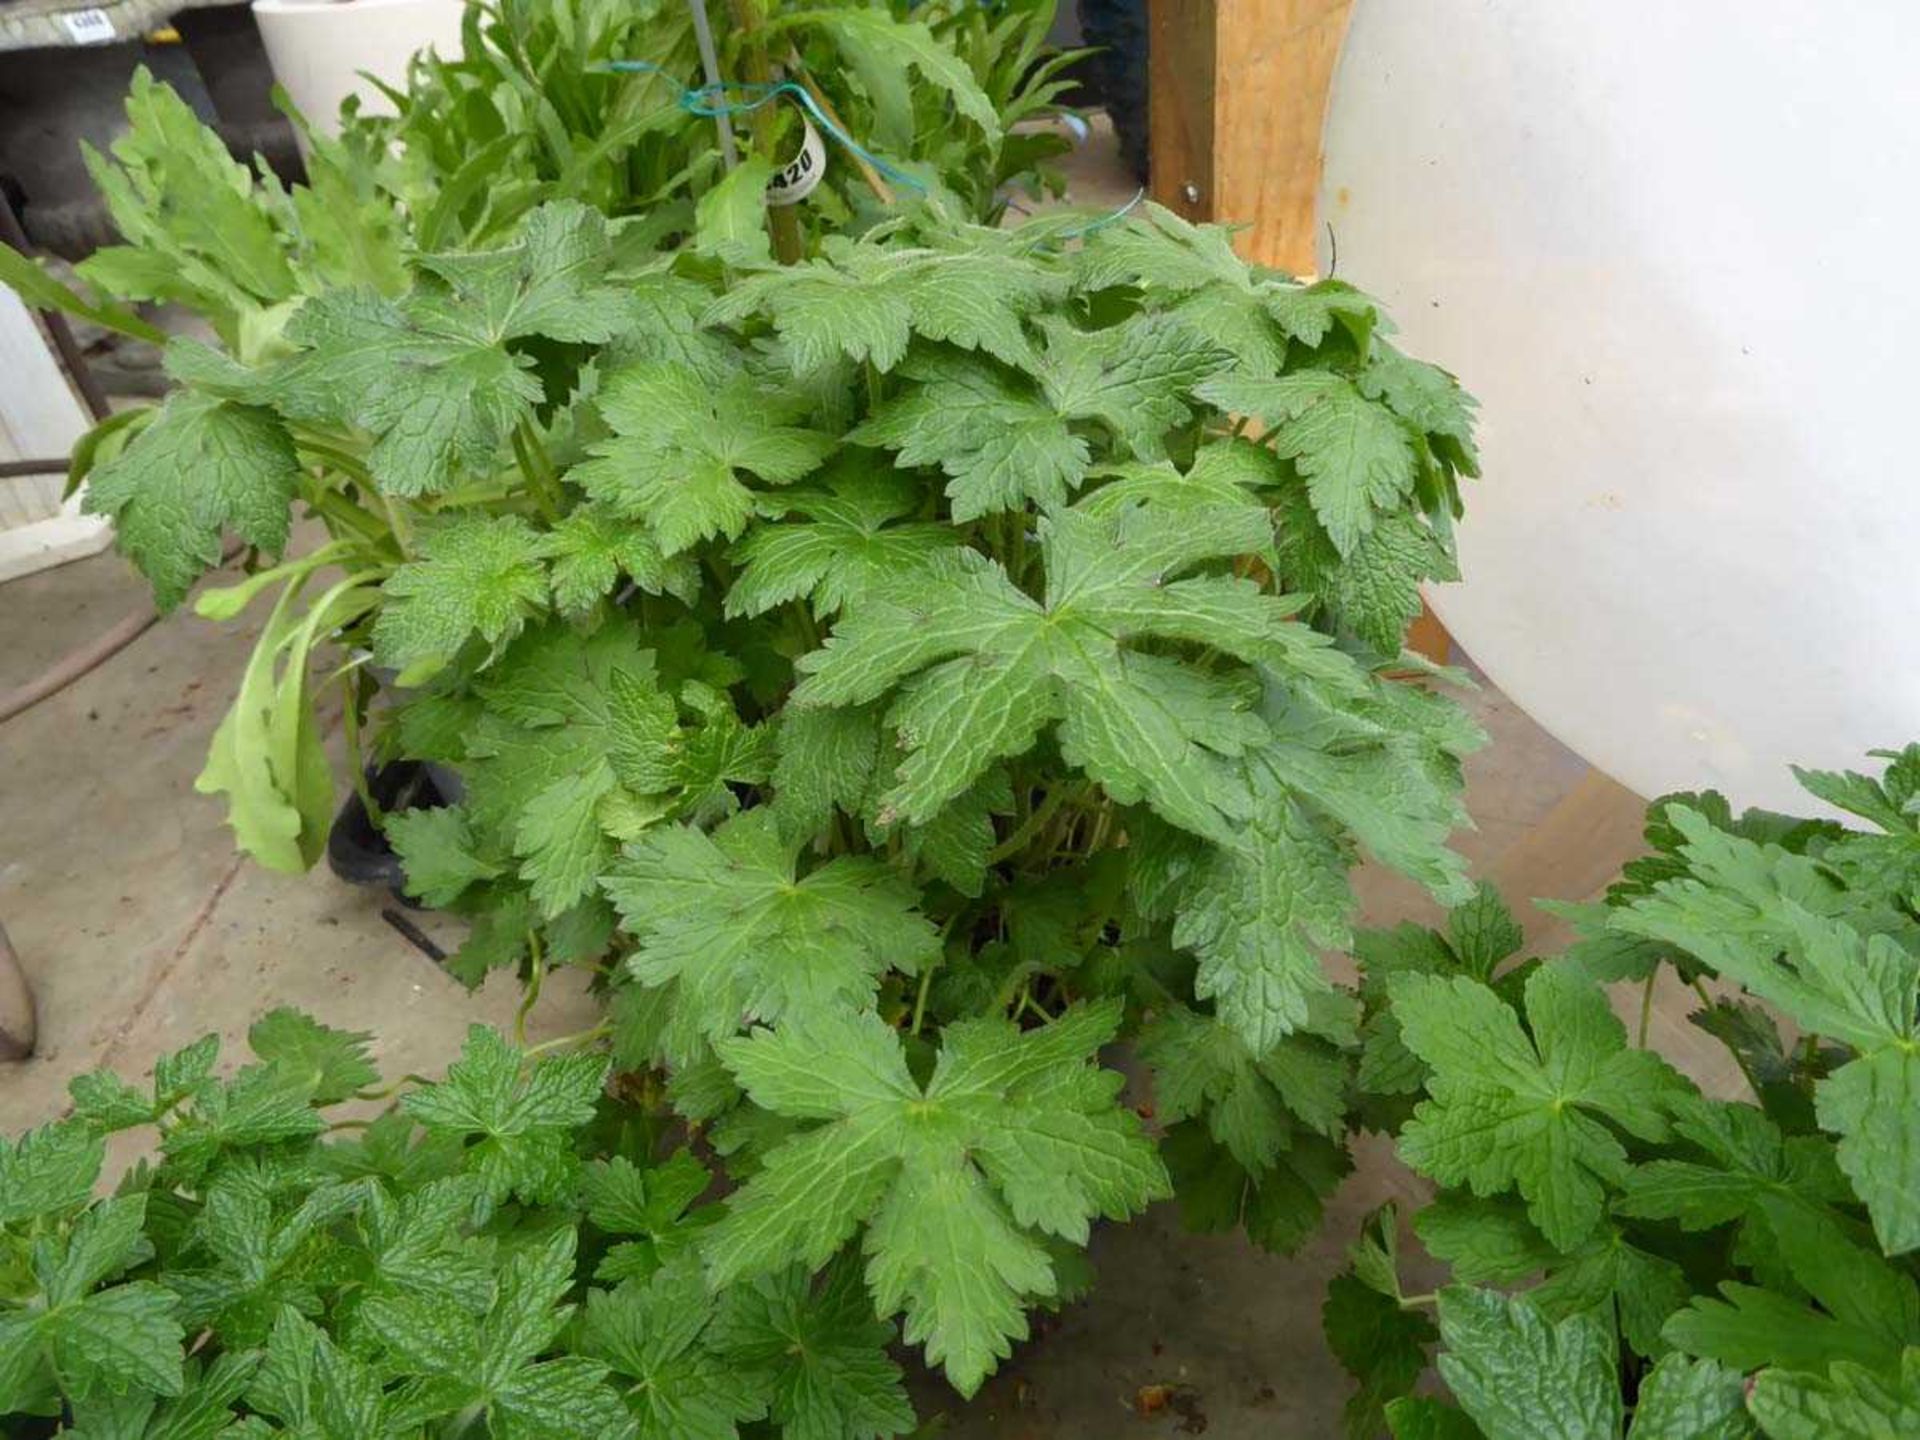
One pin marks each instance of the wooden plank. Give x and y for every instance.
(1181, 67)
(1270, 109)
(1239, 104)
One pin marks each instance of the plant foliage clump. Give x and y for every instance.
(909, 658)
(896, 673)
(535, 110)
(508, 1252)
(1690, 1265)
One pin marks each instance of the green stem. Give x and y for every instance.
(1754, 1083)
(528, 451)
(1102, 822)
(783, 223)
(1055, 840)
(536, 969)
(356, 753)
(920, 1000)
(1646, 1005)
(581, 1037)
(1143, 976)
(402, 526)
(1031, 826)
(809, 629)
(1407, 1302)
(1017, 547)
(387, 1092)
(1027, 1002)
(332, 505)
(336, 458)
(486, 492)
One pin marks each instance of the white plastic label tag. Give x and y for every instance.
(799, 177)
(89, 27)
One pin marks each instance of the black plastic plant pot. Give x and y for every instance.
(356, 850)
(1117, 72)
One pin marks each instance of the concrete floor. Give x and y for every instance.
(141, 930)
(139, 926)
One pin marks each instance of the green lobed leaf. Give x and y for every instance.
(877, 32)
(982, 668)
(1015, 1132)
(331, 1063)
(260, 1105)
(844, 547)
(1520, 1378)
(682, 447)
(195, 229)
(655, 1336)
(1849, 1403)
(1869, 1310)
(1513, 1110)
(48, 1170)
(1253, 1102)
(817, 1351)
(1139, 378)
(476, 576)
(1353, 453)
(1002, 444)
(437, 850)
(203, 466)
(593, 548)
(518, 1116)
(489, 1363)
(436, 377)
(864, 302)
(1766, 919)
(1379, 1340)
(746, 936)
(1683, 1399)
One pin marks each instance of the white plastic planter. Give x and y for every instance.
(40, 418)
(1670, 246)
(319, 47)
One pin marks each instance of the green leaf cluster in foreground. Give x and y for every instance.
(962, 691)
(510, 1248)
(894, 674)
(1686, 1265)
(905, 670)
(1623, 1257)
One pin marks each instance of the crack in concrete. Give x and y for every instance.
(202, 918)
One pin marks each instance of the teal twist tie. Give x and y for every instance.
(709, 101)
